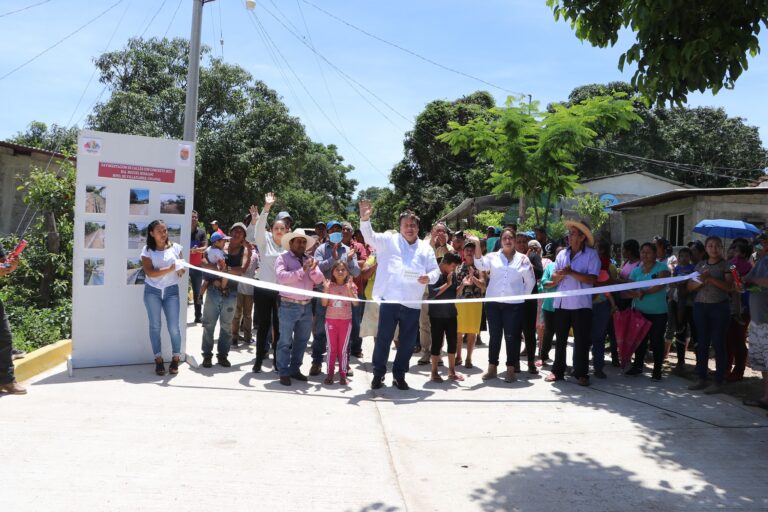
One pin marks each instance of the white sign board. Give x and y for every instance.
(123, 183)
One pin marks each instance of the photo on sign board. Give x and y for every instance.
(135, 271)
(93, 274)
(139, 202)
(172, 203)
(174, 233)
(95, 199)
(95, 232)
(137, 235)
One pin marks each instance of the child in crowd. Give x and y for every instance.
(443, 317)
(215, 256)
(681, 308)
(338, 319)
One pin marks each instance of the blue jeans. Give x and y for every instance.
(319, 338)
(218, 308)
(295, 328)
(390, 316)
(157, 301)
(711, 326)
(507, 320)
(355, 341)
(601, 317)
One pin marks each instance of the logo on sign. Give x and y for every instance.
(185, 154)
(92, 146)
(609, 200)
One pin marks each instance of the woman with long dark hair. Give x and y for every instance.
(711, 313)
(160, 260)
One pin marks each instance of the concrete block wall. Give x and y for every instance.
(644, 223)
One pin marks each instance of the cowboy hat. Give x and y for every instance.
(285, 243)
(584, 228)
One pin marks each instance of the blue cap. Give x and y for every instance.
(331, 224)
(218, 236)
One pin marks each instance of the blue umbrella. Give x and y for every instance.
(725, 228)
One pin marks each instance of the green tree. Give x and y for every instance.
(533, 153)
(708, 148)
(590, 207)
(489, 218)
(248, 142)
(56, 138)
(679, 47)
(444, 178)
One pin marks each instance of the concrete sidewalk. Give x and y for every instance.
(124, 439)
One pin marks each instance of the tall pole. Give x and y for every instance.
(193, 74)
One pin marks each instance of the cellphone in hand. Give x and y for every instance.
(15, 254)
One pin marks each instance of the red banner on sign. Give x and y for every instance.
(136, 172)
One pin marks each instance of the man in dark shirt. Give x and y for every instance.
(8, 382)
(442, 317)
(197, 245)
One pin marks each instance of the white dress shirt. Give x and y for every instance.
(507, 277)
(400, 265)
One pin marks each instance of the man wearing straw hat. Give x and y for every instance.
(576, 268)
(294, 268)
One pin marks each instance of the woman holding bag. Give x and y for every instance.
(652, 303)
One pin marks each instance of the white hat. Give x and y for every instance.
(286, 241)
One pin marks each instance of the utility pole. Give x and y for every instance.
(193, 73)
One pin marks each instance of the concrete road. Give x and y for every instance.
(123, 439)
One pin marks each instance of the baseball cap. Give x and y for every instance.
(218, 236)
(284, 215)
(331, 224)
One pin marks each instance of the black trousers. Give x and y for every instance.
(549, 333)
(581, 322)
(530, 308)
(443, 327)
(6, 359)
(265, 303)
(656, 339)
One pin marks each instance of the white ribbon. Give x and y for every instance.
(570, 293)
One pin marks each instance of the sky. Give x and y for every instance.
(352, 91)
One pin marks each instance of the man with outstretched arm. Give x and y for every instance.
(405, 265)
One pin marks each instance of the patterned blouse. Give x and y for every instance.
(472, 291)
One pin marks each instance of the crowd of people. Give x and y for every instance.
(377, 283)
(382, 279)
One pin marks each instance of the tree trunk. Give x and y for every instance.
(523, 206)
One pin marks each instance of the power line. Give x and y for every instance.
(9, 73)
(173, 18)
(411, 52)
(23, 8)
(311, 97)
(162, 4)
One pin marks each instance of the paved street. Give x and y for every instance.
(124, 439)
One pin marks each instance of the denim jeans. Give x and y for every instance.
(507, 320)
(157, 301)
(295, 328)
(390, 317)
(601, 317)
(711, 326)
(319, 338)
(6, 359)
(218, 308)
(196, 278)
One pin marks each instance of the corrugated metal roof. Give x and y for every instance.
(21, 149)
(673, 195)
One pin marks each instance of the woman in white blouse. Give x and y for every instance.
(161, 262)
(511, 273)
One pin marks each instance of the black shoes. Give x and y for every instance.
(400, 384)
(159, 366)
(223, 361)
(634, 371)
(207, 361)
(599, 374)
(315, 370)
(299, 376)
(285, 380)
(377, 382)
(257, 366)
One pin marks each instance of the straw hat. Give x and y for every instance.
(299, 233)
(584, 228)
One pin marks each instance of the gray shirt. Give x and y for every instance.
(709, 293)
(758, 295)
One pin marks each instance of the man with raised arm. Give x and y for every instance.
(405, 265)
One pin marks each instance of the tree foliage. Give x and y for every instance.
(679, 47)
(431, 178)
(56, 138)
(533, 153)
(707, 148)
(590, 207)
(248, 143)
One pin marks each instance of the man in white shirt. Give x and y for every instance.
(405, 265)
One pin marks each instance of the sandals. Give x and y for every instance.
(459, 361)
(173, 368)
(457, 377)
(159, 366)
(343, 380)
(468, 364)
(328, 380)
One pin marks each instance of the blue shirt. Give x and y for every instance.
(585, 261)
(653, 303)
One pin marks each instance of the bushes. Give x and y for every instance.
(34, 327)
